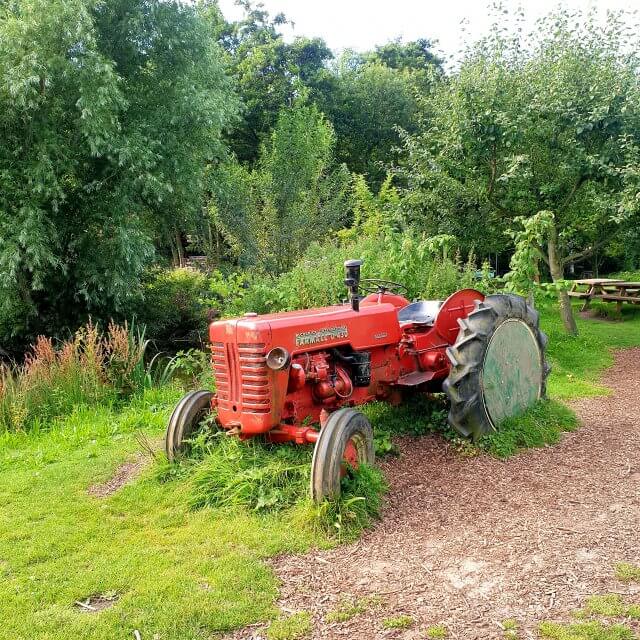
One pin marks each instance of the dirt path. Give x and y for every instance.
(469, 543)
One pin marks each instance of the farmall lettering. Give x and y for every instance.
(299, 376)
(321, 335)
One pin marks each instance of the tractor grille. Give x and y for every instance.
(242, 377)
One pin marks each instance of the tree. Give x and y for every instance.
(108, 115)
(295, 187)
(517, 131)
(416, 55)
(366, 104)
(269, 73)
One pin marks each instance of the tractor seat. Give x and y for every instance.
(422, 312)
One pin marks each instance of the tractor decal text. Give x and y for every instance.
(328, 333)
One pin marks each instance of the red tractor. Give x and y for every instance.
(283, 375)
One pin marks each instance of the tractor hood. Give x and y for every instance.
(312, 329)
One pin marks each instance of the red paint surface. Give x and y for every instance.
(258, 400)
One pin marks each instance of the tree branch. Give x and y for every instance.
(541, 251)
(586, 253)
(579, 182)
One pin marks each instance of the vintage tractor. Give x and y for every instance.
(297, 376)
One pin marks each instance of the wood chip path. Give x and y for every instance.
(468, 543)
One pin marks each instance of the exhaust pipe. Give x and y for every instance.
(352, 281)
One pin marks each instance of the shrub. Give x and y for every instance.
(90, 368)
(318, 278)
(173, 309)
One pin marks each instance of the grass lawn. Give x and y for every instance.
(176, 573)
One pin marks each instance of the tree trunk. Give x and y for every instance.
(180, 248)
(557, 273)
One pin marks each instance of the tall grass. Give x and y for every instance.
(90, 368)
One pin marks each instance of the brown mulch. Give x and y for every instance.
(469, 543)
(124, 474)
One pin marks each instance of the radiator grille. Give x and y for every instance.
(242, 376)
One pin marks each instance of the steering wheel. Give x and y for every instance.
(377, 285)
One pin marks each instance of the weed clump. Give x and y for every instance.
(397, 622)
(225, 472)
(293, 627)
(437, 632)
(541, 425)
(593, 630)
(90, 368)
(627, 572)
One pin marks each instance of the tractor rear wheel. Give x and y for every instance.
(184, 421)
(498, 367)
(345, 441)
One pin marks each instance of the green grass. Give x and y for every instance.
(398, 622)
(178, 572)
(541, 425)
(183, 548)
(349, 608)
(437, 632)
(593, 630)
(611, 605)
(293, 627)
(579, 362)
(627, 572)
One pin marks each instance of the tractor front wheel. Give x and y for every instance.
(345, 441)
(498, 366)
(185, 420)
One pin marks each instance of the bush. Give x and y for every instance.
(90, 368)
(173, 310)
(318, 278)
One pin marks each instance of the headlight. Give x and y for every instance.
(278, 358)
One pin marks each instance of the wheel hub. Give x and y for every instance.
(511, 376)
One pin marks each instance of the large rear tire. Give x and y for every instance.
(345, 442)
(185, 420)
(498, 366)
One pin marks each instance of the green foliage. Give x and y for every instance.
(627, 572)
(418, 415)
(437, 631)
(524, 263)
(173, 307)
(317, 279)
(91, 368)
(108, 114)
(577, 362)
(179, 573)
(607, 605)
(294, 627)
(358, 506)
(227, 473)
(593, 630)
(237, 473)
(519, 130)
(367, 103)
(349, 608)
(289, 198)
(541, 425)
(397, 622)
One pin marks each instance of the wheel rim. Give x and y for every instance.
(351, 456)
(511, 376)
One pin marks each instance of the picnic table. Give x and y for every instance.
(606, 289)
(623, 292)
